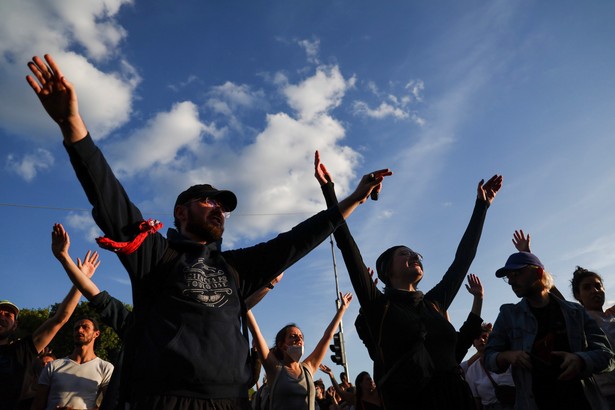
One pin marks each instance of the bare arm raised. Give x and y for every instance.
(316, 357)
(47, 331)
(79, 274)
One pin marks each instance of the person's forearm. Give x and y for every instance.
(477, 305)
(73, 129)
(82, 282)
(330, 331)
(67, 307)
(348, 205)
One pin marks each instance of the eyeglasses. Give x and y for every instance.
(212, 203)
(515, 273)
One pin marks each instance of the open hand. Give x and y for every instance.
(521, 241)
(487, 190)
(60, 241)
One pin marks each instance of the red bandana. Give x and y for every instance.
(126, 248)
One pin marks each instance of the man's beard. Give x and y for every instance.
(204, 230)
(82, 342)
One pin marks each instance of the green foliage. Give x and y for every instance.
(107, 345)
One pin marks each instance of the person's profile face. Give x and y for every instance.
(522, 280)
(84, 332)
(406, 264)
(8, 323)
(591, 293)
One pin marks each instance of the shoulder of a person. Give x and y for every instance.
(473, 369)
(570, 304)
(510, 307)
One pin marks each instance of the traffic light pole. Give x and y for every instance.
(337, 306)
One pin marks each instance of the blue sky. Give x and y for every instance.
(240, 94)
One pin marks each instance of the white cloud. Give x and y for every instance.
(92, 24)
(382, 111)
(183, 84)
(57, 28)
(312, 48)
(82, 222)
(416, 88)
(272, 175)
(237, 95)
(30, 165)
(319, 93)
(159, 141)
(395, 104)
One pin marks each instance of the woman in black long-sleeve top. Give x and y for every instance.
(413, 345)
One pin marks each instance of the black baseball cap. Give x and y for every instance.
(226, 198)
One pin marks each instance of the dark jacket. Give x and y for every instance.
(416, 345)
(187, 336)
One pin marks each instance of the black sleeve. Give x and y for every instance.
(446, 290)
(259, 264)
(113, 211)
(112, 312)
(469, 331)
(362, 282)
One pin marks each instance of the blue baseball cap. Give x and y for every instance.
(517, 261)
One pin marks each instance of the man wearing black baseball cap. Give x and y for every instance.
(553, 345)
(187, 348)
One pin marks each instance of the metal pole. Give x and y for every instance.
(337, 306)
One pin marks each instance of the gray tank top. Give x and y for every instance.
(289, 392)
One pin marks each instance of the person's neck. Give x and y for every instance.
(5, 341)
(538, 300)
(404, 285)
(82, 354)
(194, 238)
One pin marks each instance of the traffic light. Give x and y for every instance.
(339, 353)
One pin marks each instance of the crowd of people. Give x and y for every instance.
(186, 343)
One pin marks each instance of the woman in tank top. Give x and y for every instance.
(288, 376)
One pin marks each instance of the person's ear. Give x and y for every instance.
(180, 213)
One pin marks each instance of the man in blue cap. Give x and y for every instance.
(552, 345)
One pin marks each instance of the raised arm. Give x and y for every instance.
(475, 288)
(79, 274)
(348, 397)
(113, 211)
(370, 182)
(267, 358)
(445, 291)
(364, 287)
(316, 357)
(522, 243)
(58, 97)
